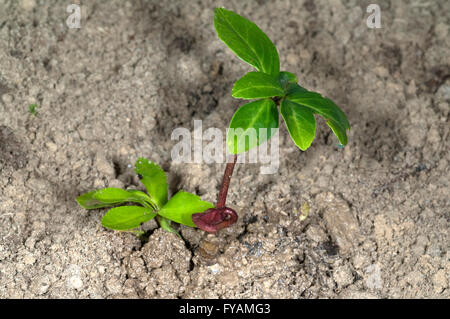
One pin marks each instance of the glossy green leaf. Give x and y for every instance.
(326, 108)
(154, 180)
(256, 85)
(108, 197)
(247, 41)
(127, 217)
(285, 78)
(244, 132)
(300, 123)
(338, 131)
(181, 207)
(294, 88)
(140, 195)
(166, 224)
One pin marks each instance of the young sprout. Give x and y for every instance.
(268, 88)
(32, 108)
(146, 206)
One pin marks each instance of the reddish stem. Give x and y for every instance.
(215, 219)
(222, 198)
(219, 217)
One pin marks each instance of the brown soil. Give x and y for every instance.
(115, 89)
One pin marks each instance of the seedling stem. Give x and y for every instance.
(222, 198)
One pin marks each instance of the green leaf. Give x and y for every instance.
(300, 123)
(247, 122)
(181, 207)
(140, 194)
(285, 78)
(256, 85)
(294, 88)
(338, 131)
(166, 224)
(154, 180)
(326, 108)
(127, 217)
(247, 41)
(108, 197)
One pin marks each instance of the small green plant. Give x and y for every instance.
(154, 203)
(32, 109)
(269, 88)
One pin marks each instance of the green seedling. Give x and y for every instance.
(146, 206)
(269, 88)
(32, 108)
